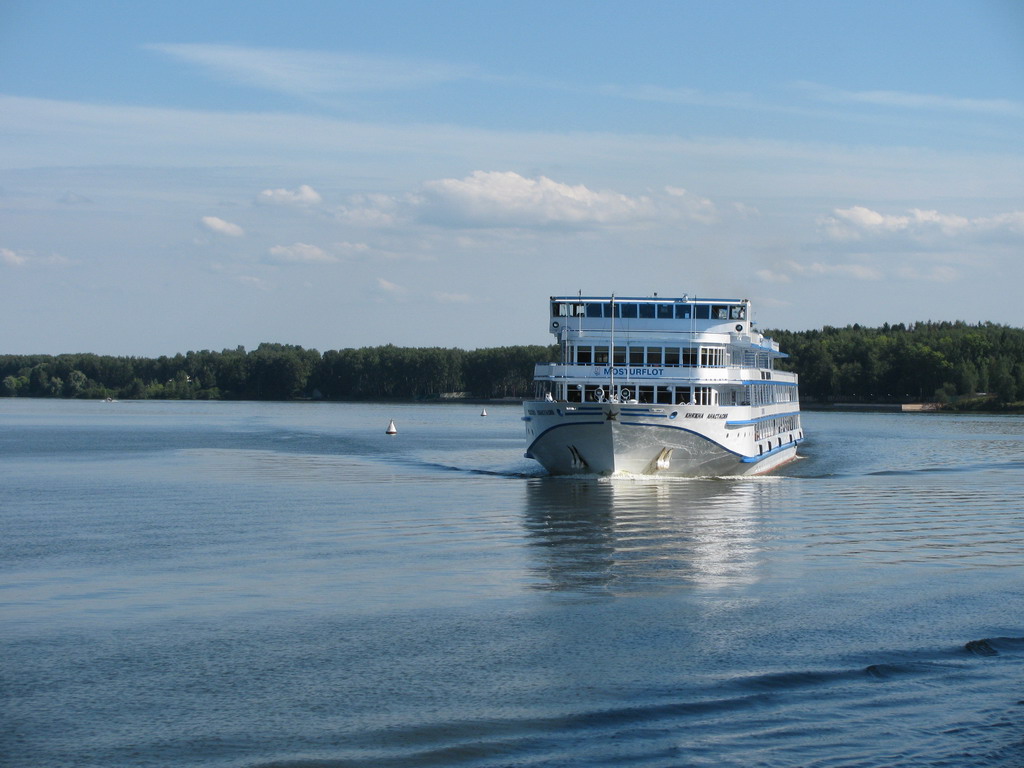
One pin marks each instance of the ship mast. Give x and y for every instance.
(611, 354)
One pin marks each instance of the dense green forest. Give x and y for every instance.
(942, 362)
(278, 372)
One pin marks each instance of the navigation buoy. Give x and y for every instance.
(391, 430)
(483, 412)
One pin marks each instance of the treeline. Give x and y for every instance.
(279, 372)
(941, 362)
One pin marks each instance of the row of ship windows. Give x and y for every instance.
(757, 394)
(767, 394)
(658, 311)
(772, 427)
(592, 393)
(710, 357)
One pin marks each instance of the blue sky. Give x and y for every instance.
(199, 175)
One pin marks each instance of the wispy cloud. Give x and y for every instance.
(254, 282)
(940, 273)
(221, 227)
(914, 101)
(390, 288)
(12, 258)
(304, 195)
(302, 252)
(310, 73)
(73, 133)
(784, 272)
(680, 96)
(452, 298)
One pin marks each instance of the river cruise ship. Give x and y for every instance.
(678, 387)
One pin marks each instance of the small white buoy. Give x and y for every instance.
(483, 412)
(391, 430)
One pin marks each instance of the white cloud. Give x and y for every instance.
(374, 210)
(746, 211)
(351, 249)
(495, 198)
(859, 222)
(392, 288)
(304, 195)
(505, 199)
(12, 259)
(301, 252)
(221, 227)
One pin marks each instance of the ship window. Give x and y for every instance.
(702, 311)
(689, 357)
(664, 395)
(683, 396)
(636, 355)
(713, 357)
(584, 355)
(703, 395)
(654, 355)
(627, 310)
(600, 355)
(561, 309)
(645, 394)
(664, 311)
(595, 310)
(647, 311)
(671, 355)
(683, 311)
(620, 356)
(737, 312)
(720, 312)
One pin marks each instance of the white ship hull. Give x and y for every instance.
(659, 440)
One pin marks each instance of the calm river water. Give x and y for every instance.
(278, 585)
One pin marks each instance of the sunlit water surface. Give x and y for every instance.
(239, 584)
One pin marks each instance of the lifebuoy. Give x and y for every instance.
(599, 394)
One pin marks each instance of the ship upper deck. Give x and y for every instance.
(653, 318)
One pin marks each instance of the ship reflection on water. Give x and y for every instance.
(612, 537)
